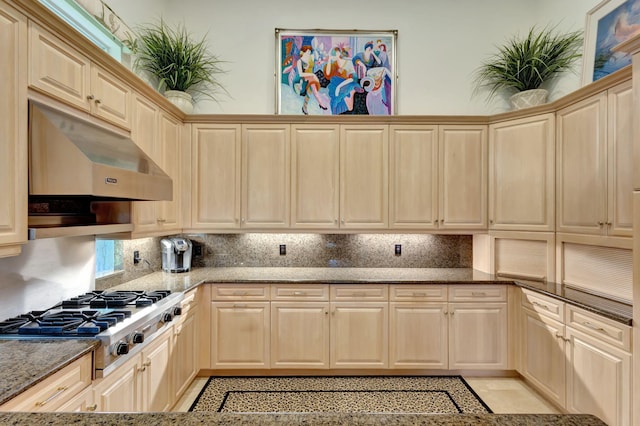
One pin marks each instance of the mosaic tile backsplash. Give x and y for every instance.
(305, 250)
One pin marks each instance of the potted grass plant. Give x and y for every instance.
(523, 64)
(184, 67)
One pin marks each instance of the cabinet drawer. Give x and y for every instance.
(543, 305)
(359, 292)
(602, 328)
(300, 292)
(189, 302)
(429, 293)
(240, 292)
(477, 293)
(56, 389)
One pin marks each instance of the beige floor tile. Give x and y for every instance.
(190, 394)
(510, 396)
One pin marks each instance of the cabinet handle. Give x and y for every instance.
(451, 313)
(299, 293)
(236, 306)
(419, 294)
(146, 364)
(595, 327)
(326, 312)
(490, 221)
(608, 223)
(479, 294)
(98, 101)
(161, 220)
(445, 312)
(90, 97)
(543, 306)
(503, 274)
(559, 336)
(441, 220)
(600, 223)
(239, 293)
(335, 222)
(92, 408)
(142, 370)
(56, 394)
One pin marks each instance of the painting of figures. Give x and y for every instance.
(322, 72)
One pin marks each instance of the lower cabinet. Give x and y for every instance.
(120, 391)
(184, 354)
(84, 402)
(578, 359)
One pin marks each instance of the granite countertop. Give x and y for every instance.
(25, 363)
(188, 419)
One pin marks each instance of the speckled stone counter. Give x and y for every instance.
(24, 363)
(187, 419)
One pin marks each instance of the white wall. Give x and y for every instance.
(46, 272)
(440, 42)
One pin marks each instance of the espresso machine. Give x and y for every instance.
(176, 254)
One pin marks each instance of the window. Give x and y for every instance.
(109, 258)
(87, 25)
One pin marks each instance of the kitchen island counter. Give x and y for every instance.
(187, 419)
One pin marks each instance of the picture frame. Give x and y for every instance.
(608, 24)
(335, 72)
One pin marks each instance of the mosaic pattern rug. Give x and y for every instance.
(406, 394)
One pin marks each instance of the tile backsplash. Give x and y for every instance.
(304, 250)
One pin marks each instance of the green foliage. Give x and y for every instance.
(178, 62)
(526, 63)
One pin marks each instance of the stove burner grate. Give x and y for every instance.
(65, 322)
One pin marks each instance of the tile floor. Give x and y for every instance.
(503, 395)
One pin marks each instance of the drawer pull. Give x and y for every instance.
(595, 327)
(56, 394)
(92, 408)
(421, 294)
(299, 293)
(237, 306)
(359, 294)
(540, 278)
(541, 305)
(479, 294)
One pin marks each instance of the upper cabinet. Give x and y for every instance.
(522, 172)
(595, 164)
(13, 131)
(413, 177)
(59, 70)
(265, 175)
(364, 152)
(463, 177)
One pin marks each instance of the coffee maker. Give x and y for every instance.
(176, 254)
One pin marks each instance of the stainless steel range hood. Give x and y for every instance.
(83, 174)
(73, 156)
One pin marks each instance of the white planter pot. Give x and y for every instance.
(182, 100)
(529, 98)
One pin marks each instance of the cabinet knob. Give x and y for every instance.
(600, 223)
(98, 101)
(90, 97)
(490, 221)
(441, 220)
(94, 407)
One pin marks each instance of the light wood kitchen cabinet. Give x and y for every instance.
(120, 391)
(462, 175)
(156, 373)
(315, 174)
(56, 390)
(413, 177)
(595, 164)
(478, 327)
(83, 402)
(13, 131)
(59, 70)
(364, 154)
(522, 174)
(544, 361)
(184, 355)
(215, 183)
(159, 136)
(265, 176)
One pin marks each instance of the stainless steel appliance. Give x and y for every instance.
(176, 254)
(124, 322)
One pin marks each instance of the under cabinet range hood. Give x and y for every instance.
(84, 173)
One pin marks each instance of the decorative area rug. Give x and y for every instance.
(406, 394)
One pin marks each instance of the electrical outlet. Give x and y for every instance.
(136, 257)
(398, 249)
(283, 249)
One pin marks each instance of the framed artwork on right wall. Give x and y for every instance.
(608, 24)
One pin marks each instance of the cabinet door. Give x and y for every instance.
(184, 354)
(120, 391)
(157, 393)
(359, 334)
(215, 159)
(543, 360)
(144, 133)
(300, 335)
(463, 177)
(58, 69)
(170, 130)
(265, 176)
(364, 152)
(315, 167)
(240, 335)
(13, 131)
(581, 162)
(522, 174)
(413, 177)
(110, 97)
(81, 403)
(620, 161)
(418, 335)
(478, 336)
(599, 381)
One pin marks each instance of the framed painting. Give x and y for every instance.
(608, 24)
(335, 72)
